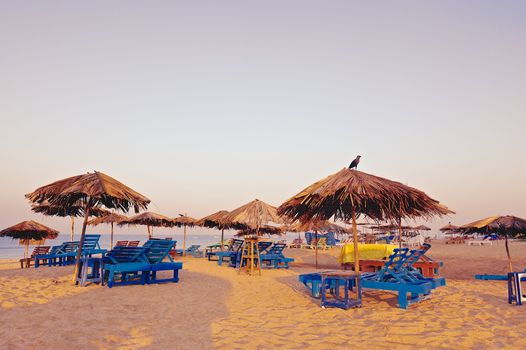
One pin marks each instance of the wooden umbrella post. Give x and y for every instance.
(222, 238)
(82, 235)
(316, 248)
(510, 266)
(400, 233)
(111, 237)
(72, 228)
(184, 239)
(355, 239)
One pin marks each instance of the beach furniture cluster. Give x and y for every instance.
(38, 250)
(66, 253)
(397, 274)
(140, 265)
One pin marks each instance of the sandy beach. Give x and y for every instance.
(215, 307)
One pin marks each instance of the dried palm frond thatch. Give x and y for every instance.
(29, 230)
(148, 219)
(349, 191)
(316, 226)
(449, 228)
(349, 194)
(112, 218)
(507, 226)
(215, 220)
(95, 189)
(72, 212)
(184, 221)
(89, 190)
(253, 215)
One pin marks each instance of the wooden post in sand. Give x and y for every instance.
(355, 239)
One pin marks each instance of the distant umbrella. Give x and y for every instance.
(148, 219)
(349, 193)
(72, 212)
(184, 221)
(449, 229)
(253, 215)
(215, 220)
(112, 218)
(29, 230)
(507, 226)
(422, 228)
(89, 190)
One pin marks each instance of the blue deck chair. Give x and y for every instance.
(397, 275)
(232, 252)
(65, 255)
(235, 261)
(129, 264)
(91, 245)
(44, 258)
(273, 257)
(159, 251)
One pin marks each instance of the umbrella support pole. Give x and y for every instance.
(355, 243)
(72, 234)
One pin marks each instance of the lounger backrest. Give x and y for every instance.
(236, 245)
(133, 243)
(276, 249)
(91, 241)
(55, 249)
(263, 246)
(193, 248)
(126, 255)
(394, 263)
(157, 250)
(40, 250)
(121, 243)
(69, 247)
(415, 255)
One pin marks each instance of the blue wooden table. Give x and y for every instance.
(335, 280)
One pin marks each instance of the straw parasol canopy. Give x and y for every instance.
(263, 229)
(184, 221)
(215, 220)
(150, 220)
(90, 191)
(316, 226)
(29, 230)
(73, 211)
(253, 215)
(349, 194)
(449, 229)
(507, 226)
(112, 218)
(422, 228)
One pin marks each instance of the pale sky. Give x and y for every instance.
(206, 105)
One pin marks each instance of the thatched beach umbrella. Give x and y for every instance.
(112, 218)
(449, 229)
(184, 221)
(317, 226)
(72, 212)
(148, 219)
(507, 226)
(253, 216)
(348, 194)
(90, 190)
(215, 220)
(27, 231)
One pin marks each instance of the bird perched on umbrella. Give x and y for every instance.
(354, 163)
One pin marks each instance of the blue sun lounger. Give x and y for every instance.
(262, 247)
(129, 264)
(232, 252)
(140, 265)
(398, 275)
(45, 258)
(273, 257)
(158, 251)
